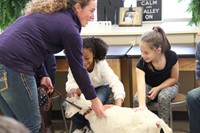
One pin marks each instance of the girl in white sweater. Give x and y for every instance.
(104, 80)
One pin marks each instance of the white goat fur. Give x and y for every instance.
(118, 119)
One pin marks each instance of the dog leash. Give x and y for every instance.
(78, 107)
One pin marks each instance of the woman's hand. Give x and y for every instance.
(98, 108)
(47, 81)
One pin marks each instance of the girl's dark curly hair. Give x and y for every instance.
(97, 46)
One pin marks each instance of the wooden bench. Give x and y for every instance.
(123, 59)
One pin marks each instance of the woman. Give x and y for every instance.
(48, 27)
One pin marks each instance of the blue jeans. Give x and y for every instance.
(19, 99)
(103, 93)
(193, 103)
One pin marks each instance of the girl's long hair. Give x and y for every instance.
(155, 39)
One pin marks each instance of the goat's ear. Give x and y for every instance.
(79, 92)
(82, 96)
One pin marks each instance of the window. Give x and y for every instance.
(172, 10)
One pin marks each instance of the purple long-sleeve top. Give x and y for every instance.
(30, 39)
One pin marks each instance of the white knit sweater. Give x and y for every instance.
(102, 74)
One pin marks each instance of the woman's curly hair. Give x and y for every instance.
(44, 6)
(50, 6)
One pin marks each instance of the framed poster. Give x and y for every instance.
(131, 16)
(152, 9)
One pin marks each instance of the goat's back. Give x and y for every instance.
(126, 120)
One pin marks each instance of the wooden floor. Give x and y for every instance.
(181, 124)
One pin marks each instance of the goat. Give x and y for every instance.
(118, 119)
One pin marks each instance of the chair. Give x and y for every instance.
(178, 101)
(58, 98)
(68, 130)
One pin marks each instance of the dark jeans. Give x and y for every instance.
(193, 103)
(103, 93)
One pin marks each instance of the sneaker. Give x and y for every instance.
(85, 129)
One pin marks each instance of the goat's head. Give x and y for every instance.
(70, 110)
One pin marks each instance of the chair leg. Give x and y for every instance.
(171, 122)
(70, 128)
(171, 118)
(64, 118)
